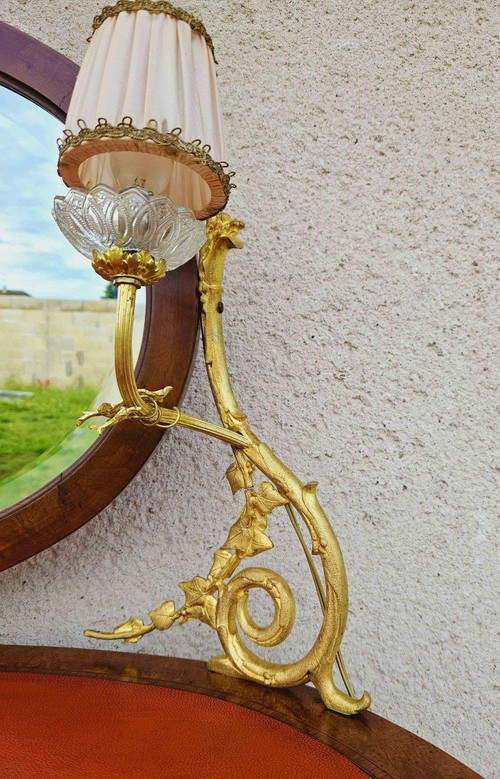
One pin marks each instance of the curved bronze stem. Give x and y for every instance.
(318, 663)
(124, 366)
(228, 613)
(144, 404)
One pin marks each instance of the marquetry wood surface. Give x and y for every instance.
(170, 337)
(378, 747)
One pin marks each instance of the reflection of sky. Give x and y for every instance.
(34, 256)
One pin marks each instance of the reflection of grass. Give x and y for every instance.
(32, 428)
(61, 457)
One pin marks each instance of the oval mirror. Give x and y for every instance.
(57, 315)
(57, 321)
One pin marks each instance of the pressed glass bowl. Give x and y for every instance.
(132, 219)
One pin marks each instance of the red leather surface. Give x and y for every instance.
(63, 726)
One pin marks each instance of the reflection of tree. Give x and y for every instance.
(110, 292)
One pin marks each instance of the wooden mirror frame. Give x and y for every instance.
(169, 342)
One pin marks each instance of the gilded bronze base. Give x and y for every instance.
(220, 598)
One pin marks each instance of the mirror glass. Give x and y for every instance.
(57, 315)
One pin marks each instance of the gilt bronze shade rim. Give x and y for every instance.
(106, 138)
(154, 7)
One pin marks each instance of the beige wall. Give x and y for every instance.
(361, 331)
(68, 342)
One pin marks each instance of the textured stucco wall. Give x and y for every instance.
(361, 330)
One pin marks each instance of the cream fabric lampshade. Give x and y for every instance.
(145, 109)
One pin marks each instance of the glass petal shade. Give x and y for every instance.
(132, 219)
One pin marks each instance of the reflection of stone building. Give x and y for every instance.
(68, 342)
(5, 291)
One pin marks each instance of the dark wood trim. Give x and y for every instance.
(170, 337)
(377, 746)
(36, 71)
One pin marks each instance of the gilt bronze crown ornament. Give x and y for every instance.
(135, 211)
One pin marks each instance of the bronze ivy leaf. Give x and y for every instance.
(235, 476)
(205, 613)
(225, 563)
(268, 498)
(195, 590)
(247, 541)
(131, 624)
(164, 616)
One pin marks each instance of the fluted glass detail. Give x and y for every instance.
(132, 219)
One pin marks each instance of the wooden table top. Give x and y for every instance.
(373, 744)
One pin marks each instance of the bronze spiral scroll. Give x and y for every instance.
(220, 598)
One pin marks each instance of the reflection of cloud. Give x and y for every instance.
(34, 255)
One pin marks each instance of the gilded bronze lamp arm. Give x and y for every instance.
(221, 598)
(127, 288)
(132, 232)
(143, 404)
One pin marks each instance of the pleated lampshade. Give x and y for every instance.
(145, 109)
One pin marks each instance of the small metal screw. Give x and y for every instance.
(220, 307)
